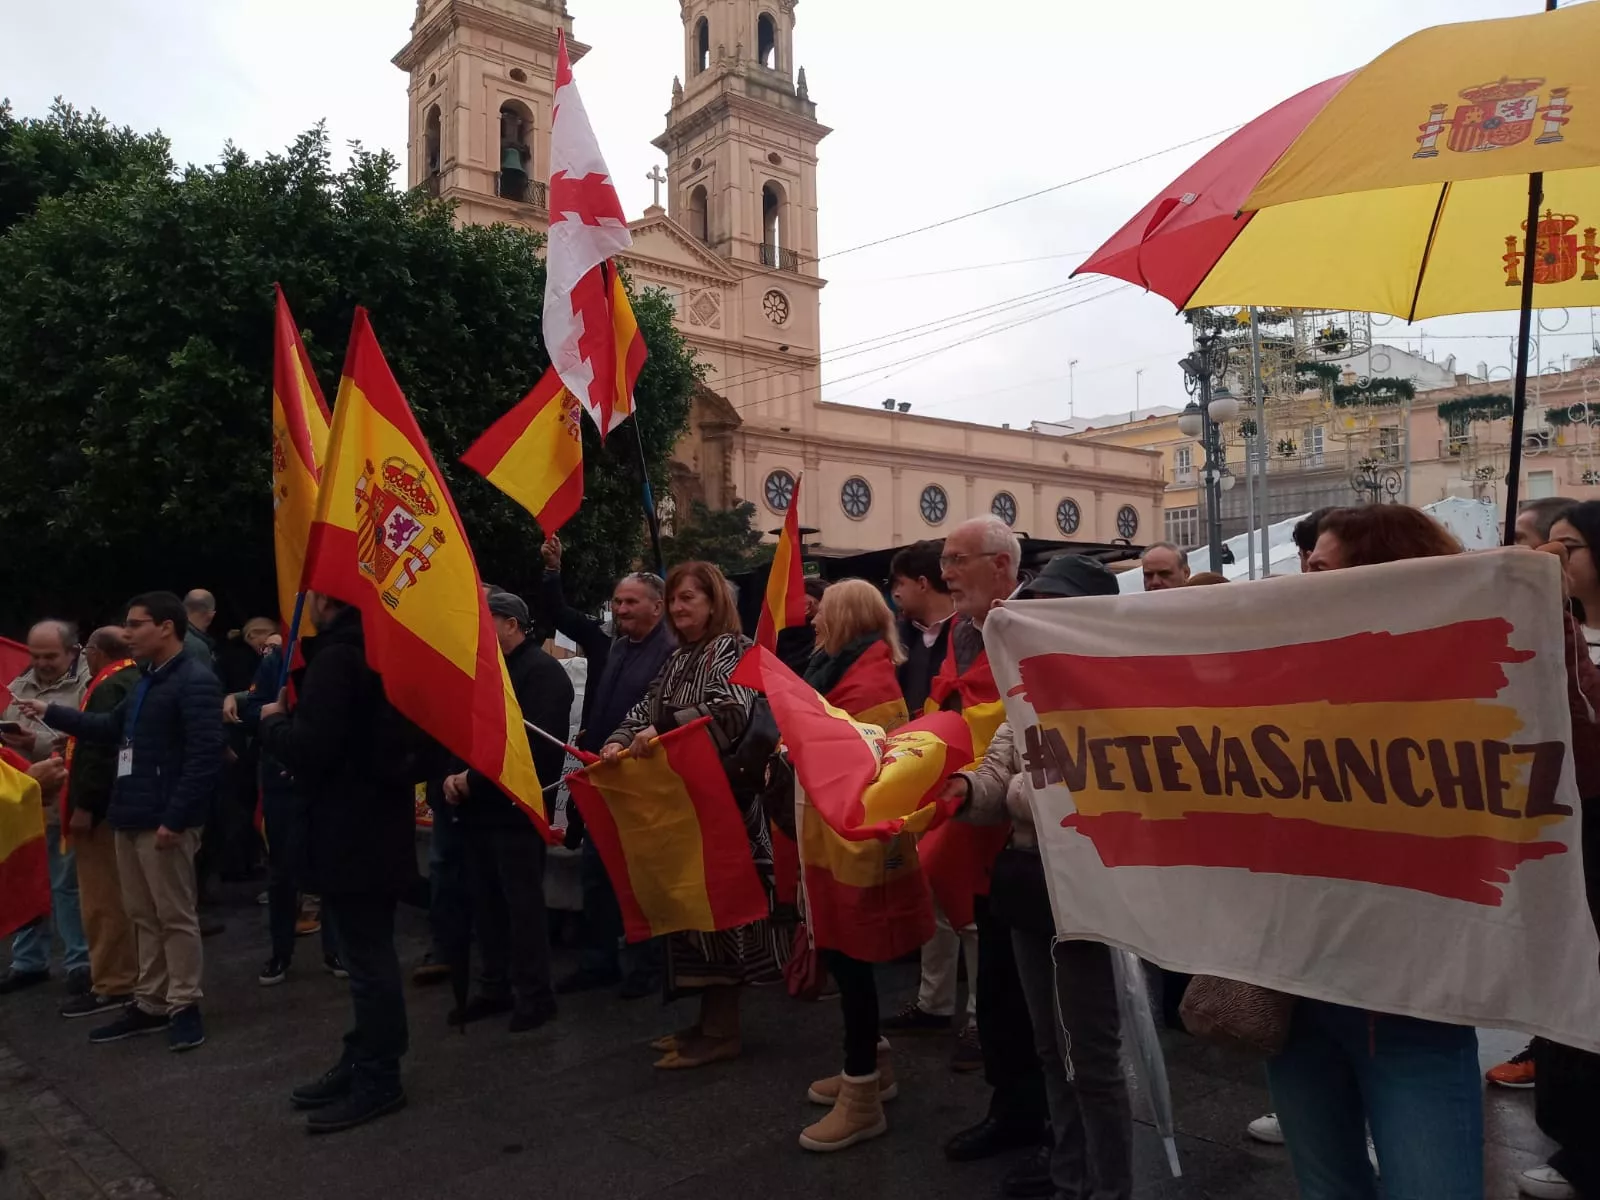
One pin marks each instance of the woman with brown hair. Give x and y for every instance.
(1413, 1082)
(864, 902)
(694, 683)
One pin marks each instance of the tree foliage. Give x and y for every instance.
(728, 538)
(69, 151)
(136, 369)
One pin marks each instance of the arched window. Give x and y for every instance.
(431, 141)
(699, 214)
(702, 45)
(775, 250)
(516, 152)
(767, 42)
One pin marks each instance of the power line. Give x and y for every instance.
(988, 266)
(978, 212)
(1002, 328)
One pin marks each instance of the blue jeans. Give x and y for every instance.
(1415, 1083)
(30, 949)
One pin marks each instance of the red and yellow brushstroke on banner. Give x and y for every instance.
(671, 837)
(24, 861)
(299, 440)
(534, 453)
(387, 539)
(1376, 757)
(784, 606)
(867, 792)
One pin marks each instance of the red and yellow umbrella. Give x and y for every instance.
(1404, 187)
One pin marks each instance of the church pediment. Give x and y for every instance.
(658, 240)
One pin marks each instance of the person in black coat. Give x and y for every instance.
(505, 853)
(621, 670)
(350, 754)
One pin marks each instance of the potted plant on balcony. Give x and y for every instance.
(1287, 447)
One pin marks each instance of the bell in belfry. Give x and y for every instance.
(511, 160)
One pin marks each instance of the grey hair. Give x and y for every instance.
(65, 630)
(996, 537)
(649, 581)
(1183, 555)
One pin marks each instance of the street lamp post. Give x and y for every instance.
(1203, 368)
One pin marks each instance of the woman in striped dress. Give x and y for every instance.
(694, 683)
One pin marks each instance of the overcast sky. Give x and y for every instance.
(932, 117)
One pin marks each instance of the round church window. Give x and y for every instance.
(779, 491)
(855, 497)
(1068, 516)
(1127, 520)
(776, 305)
(935, 504)
(1004, 506)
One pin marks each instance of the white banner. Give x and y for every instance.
(1354, 786)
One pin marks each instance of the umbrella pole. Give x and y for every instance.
(1519, 401)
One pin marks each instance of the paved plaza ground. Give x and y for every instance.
(573, 1110)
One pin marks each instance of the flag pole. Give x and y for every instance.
(650, 514)
(294, 635)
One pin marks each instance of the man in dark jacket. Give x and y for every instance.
(505, 854)
(169, 734)
(621, 671)
(922, 598)
(91, 773)
(356, 813)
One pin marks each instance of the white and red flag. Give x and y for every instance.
(588, 326)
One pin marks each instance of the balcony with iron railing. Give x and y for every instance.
(779, 258)
(514, 185)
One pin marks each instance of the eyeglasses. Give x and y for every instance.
(947, 561)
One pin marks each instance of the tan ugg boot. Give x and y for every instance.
(856, 1116)
(826, 1091)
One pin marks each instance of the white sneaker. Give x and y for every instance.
(1545, 1183)
(1266, 1129)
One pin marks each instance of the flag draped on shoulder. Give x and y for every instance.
(24, 862)
(387, 539)
(784, 605)
(299, 441)
(595, 344)
(960, 857)
(671, 837)
(534, 454)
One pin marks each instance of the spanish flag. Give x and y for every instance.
(24, 863)
(299, 440)
(534, 453)
(671, 837)
(630, 348)
(867, 793)
(387, 538)
(785, 604)
(959, 857)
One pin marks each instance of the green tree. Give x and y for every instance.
(69, 151)
(728, 538)
(136, 368)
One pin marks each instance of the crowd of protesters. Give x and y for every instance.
(158, 739)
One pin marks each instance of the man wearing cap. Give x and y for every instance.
(504, 852)
(1070, 988)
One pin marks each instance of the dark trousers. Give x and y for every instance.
(1077, 1031)
(283, 892)
(505, 874)
(449, 903)
(602, 919)
(1010, 1064)
(364, 927)
(858, 1002)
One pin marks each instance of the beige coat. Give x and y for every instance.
(997, 791)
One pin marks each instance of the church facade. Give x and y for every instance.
(735, 247)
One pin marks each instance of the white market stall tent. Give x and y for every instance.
(1475, 523)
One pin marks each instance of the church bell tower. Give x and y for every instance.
(742, 135)
(482, 89)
